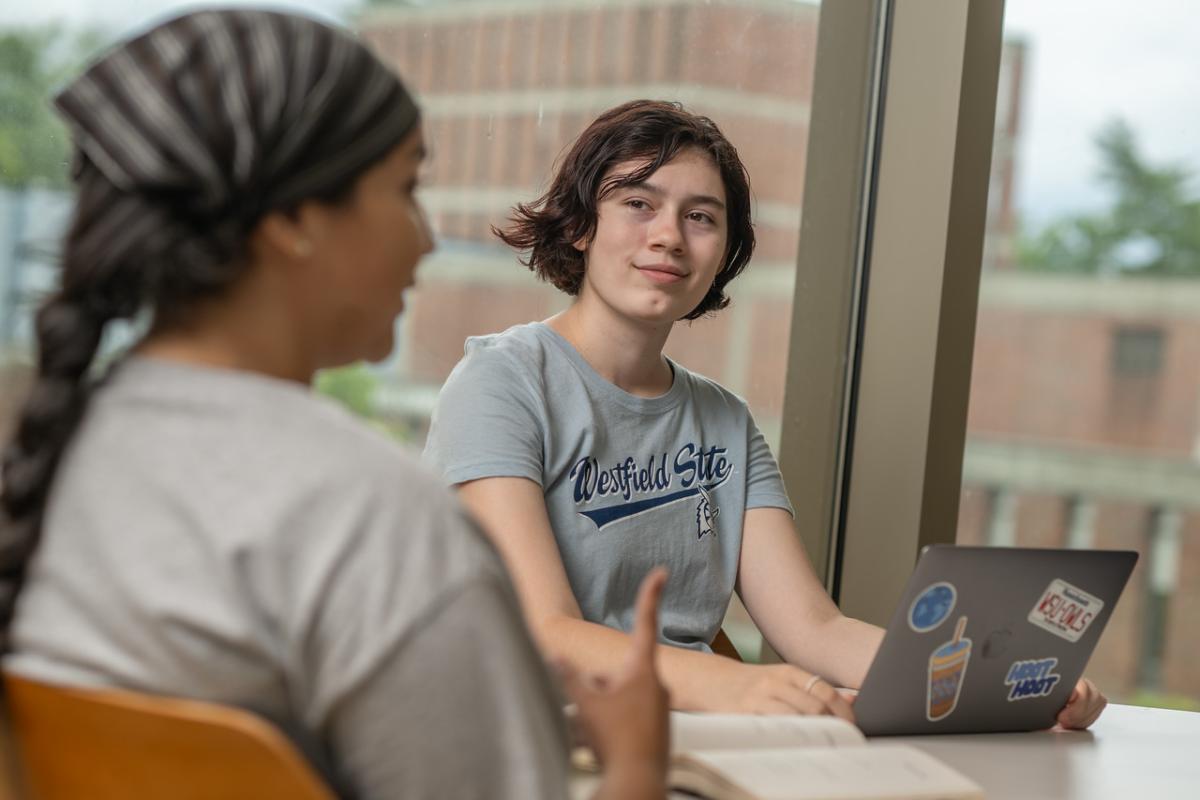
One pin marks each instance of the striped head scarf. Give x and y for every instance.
(207, 122)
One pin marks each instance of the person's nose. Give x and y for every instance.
(666, 233)
(428, 242)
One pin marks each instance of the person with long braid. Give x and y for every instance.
(194, 520)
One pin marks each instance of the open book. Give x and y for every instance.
(741, 757)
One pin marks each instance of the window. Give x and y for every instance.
(1085, 390)
(504, 87)
(1137, 352)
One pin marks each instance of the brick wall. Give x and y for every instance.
(506, 91)
(1051, 376)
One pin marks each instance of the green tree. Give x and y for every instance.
(356, 387)
(1151, 228)
(353, 386)
(34, 145)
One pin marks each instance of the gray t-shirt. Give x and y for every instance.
(630, 482)
(230, 537)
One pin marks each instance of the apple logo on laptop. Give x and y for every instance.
(996, 643)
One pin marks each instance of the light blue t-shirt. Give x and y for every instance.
(630, 482)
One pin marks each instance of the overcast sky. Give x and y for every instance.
(1089, 61)
(1092, 60)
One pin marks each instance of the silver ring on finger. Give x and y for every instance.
(808, 687)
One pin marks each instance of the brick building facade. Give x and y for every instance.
(1084, 430)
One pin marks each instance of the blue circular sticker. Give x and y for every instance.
(931, 607)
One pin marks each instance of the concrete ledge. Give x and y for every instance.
(1089, 472)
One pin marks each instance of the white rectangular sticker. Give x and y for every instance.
(1065, 610)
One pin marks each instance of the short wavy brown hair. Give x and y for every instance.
(547, 229)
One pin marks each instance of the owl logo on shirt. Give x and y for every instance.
(706, 514)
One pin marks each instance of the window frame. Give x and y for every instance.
(887, 288)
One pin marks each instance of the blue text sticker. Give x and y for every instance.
(1032, 678)
(931, 607)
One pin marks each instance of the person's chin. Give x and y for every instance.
(662, 313)
(380, 349)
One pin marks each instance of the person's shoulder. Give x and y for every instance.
(256, 420)
(346, 445)
(294, 471)
(237, 415)
(521, 356)
(709, 394)
(394, 496)
(527, 344)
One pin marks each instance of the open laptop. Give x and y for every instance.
(989, 639)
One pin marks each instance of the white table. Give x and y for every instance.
(1131, 752)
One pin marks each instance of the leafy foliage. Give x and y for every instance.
(352, 386)
(357, 388)
(1152, 228)
(34, 144)
(1154, 699)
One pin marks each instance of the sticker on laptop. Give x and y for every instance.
(947, 668)
(1065, 610)
(1032, 678)
(932, 606)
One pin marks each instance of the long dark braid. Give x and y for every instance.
(69, 326)
(98, 284)
(185, 137)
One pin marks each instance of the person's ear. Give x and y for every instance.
(286, 234)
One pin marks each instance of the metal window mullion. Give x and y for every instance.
(929, 213)
(838, 179)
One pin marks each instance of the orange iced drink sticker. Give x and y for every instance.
(947, 666)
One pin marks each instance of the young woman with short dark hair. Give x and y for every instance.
(588, 455)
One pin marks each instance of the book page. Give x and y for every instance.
(748, 732)
(853, 773)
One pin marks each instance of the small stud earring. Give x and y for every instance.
(302, 248)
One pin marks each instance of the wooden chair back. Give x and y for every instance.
(106, 744)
